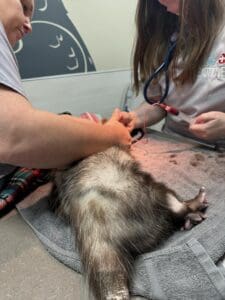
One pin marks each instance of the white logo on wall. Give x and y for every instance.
(55, 46)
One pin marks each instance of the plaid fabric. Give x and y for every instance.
(17, 185)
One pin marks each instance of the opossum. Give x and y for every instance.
(118, 211)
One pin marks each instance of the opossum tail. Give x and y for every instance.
(106, 267)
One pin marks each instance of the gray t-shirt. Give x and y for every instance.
(9, 76)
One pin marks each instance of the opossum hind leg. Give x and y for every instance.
(191, 211)
(196, 209)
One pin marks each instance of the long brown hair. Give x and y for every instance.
(197, 25)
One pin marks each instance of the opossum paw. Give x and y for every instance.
(196, 208)
(199, 203)
(193, 219)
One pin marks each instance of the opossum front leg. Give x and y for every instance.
(191, 211)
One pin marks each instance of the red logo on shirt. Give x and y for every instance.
(221, 59)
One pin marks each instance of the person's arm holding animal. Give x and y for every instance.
(39, 139)
(35, 138)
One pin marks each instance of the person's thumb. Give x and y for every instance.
(116, 114)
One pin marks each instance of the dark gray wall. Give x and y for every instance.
(55, 46)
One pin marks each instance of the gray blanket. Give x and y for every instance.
(184, 267)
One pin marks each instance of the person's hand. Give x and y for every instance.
(128, 119)
(119, 129)
(209, 126)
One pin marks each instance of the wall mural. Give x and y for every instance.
(55, 46)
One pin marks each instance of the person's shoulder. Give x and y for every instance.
(9, 73)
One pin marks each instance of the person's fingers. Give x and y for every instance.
(116, 115)
(204, 118)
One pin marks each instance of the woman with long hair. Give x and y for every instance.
(194, 76)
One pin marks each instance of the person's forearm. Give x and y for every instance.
(46, 140)
(148, 115)
(38, 139)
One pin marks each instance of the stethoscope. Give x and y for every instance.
(162, 68)
(138, 132)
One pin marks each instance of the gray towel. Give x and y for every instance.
(184, 267)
